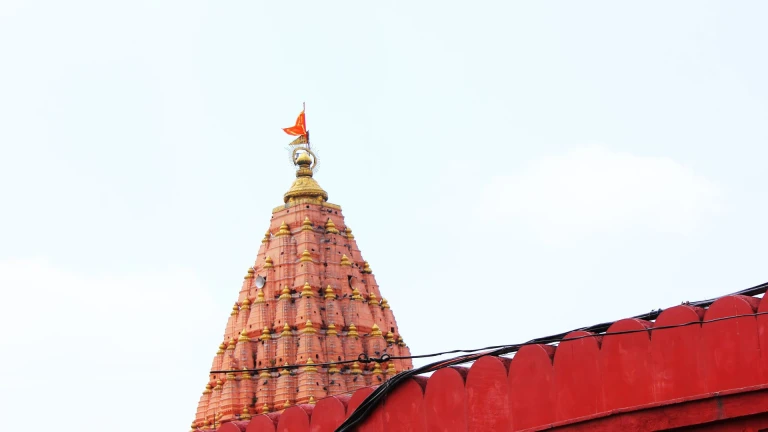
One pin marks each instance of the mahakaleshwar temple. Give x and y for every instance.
(312, 344)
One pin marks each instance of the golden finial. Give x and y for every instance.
(208, 388)
(377, 369)
(345, 261)
(259, 297)
(266, 237)
(246, 415)
(366, 268)
(284, 230)
(249, 274)
(348, 230)
(243, 336)
(245, 374)
(222, 347)
(306, 291)
(231, 376)
(330, 227)
(286, 293)
(305, 188)
(400, 341)
(391, 369)
(312, 400)
(287, 404)
(306, 256)
(284, 371)
(356, 369)
(356, 294)
(246, 304)
(264, 408)
(232, 343)
(390, 338)
(331, 330)
(193, 427)
(375, 331)
(352, 330)
(286, 330)
(265, 334)
(235, 310)
(309, 328)
(265, 374)
(310, 367)
(372, 299)
(330, 293)
(268, 262)
(333, 369)
(306, 225)
(384, 303)
(218, 385)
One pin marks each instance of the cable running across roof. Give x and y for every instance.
(370, 403)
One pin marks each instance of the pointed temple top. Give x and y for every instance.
(309, 298)
(305, 189)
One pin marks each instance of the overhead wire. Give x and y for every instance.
(370, 403)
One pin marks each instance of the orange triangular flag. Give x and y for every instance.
(299, 129)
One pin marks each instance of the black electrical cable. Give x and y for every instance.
(370, 403)
(597, 328)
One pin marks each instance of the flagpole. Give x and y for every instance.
(304, 109)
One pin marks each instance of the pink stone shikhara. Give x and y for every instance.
(309, 299)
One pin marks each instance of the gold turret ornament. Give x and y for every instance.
(249, 274)
(310, 367)
(306, 291)
(285, 370)
(352, 331)
(284, 230)
(259, 297)
(309, 328)
(390, 338)
(246, 415)
(268, 262)
(306, 256)
(391, 369)
(375, 331)
(286, 330)
(331, 331)
(345, 261)
(330, 293)
(306, 225)
(285, 293)
(356, 294)
(330, 227)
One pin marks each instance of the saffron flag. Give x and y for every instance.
(299, 129)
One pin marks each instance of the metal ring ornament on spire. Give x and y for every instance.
(306, 150)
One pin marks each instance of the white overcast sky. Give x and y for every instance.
(510, 170)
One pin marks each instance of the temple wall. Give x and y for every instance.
(710, 376)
